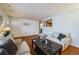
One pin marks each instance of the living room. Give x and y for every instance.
(55, 22)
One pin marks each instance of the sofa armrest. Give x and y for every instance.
(66, 42)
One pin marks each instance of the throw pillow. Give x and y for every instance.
(10, 47)
(61, 36)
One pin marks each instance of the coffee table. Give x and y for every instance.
(46, 48)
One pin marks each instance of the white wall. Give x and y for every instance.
(18, 27)
(47, 30)
(5, 17)
(68, 22)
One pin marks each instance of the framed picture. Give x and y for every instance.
(27, 24)
(48, 23)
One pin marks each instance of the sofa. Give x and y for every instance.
(9, 46)
(65, 42)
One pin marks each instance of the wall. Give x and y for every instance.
(47, 30)
(18, 27)
(5, 17)
(68, 22)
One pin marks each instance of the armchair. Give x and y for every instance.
(22, 46)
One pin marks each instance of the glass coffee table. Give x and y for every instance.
(46, 47)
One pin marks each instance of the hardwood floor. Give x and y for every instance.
(71, 51)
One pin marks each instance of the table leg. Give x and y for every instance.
(60, 51)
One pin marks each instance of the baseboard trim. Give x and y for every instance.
(75, 45)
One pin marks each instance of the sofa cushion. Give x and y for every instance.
(61, 36)
(67, 35)
(49, 35)
(55, 34)
(9, 46)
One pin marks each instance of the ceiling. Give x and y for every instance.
(36, 11)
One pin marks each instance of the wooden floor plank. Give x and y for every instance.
(71, 51)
